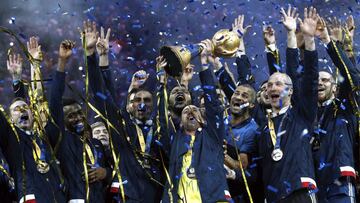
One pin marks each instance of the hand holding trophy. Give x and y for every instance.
(225, 44)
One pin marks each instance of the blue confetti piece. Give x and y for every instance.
(256, 158)
(197, 88)
(288, 187)
(129, 58)
(300, 69)
(277, 67)
(322, 131)
(323, 165)
(345, 121)
(208, 87)
(272, 189)
(178, 176)
(206, 12)
(158, 143)
(231, 87)
(101, 95)
(254, 165)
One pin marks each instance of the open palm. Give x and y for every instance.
(289, 18)
(309, 25)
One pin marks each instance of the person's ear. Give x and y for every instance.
(290, 91)
(334, 88)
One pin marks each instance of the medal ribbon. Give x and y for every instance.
(83, 42)
(239, 159)
(38, 153)
(140, 137)
(89, 153)
(276, 137)
(35, 107)
(158, 128)
(271, 130)
(353, 88)
(115, 158)
(23, 168)
(145, 147)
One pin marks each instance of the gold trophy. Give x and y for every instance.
(225, 44)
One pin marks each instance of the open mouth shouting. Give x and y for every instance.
(321, 89)
(23, 118)
(180, 98)
(274, 97)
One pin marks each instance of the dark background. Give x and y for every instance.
(140, 28)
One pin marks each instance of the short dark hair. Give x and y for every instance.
(263, 83)
(69, 101)
(252, 92)
(136, 90)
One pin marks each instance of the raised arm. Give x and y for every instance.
(213, 110)
(346, 68)
(272, 52)
(292, 52)
(242, 61)
(104, 102)
(102, 49)
(57, 91)
(37, 87)
(162, 116)
(34, 49)
(14, 66)
(309, 84)
(224, 76)
(348, 42)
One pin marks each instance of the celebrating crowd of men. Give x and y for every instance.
(296, 140)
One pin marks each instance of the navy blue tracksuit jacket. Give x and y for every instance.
(70, 151)
(295, 170)
(138, 181)
(208, 157)
(337, 130)
(41, 187)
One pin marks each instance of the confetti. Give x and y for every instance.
(272, 189)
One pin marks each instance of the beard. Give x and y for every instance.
(191, 125)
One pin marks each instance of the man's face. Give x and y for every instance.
(142, 105)
(74, 118)
(262, 96)
(327, 87)
(100, 133)
(21, 115)
(191, 118)
(179, 98)
(278, 91)
(241, 96)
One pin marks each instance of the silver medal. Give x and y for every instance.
(42, 167)
(277, 154)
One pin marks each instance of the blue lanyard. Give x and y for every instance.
(279, 131)
(148, 140)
